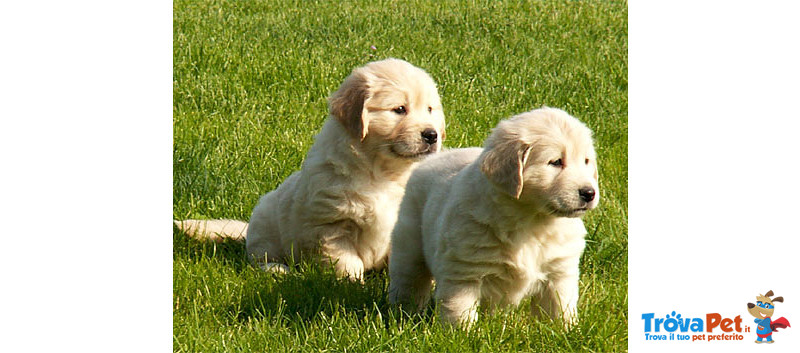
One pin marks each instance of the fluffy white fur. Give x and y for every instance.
(215, 229)
(342, 205)
(494, 225)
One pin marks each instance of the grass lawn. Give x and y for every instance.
(251, 80)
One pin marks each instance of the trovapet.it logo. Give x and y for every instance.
(762, 311)
(673, 327)
(716, 327)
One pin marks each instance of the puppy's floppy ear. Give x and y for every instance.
(503, 163)
(347, 103)
(778, 299)
(769, 293)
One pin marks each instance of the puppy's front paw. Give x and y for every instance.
(458, 303)
(352, 269)
(463, 319)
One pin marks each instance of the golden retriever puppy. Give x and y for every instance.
(494, 225)
(342, 205)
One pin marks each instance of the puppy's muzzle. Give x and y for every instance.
(430, 136)
(587, 194)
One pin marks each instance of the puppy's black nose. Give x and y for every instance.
(430, 136)
(587, 194)
(750, 305)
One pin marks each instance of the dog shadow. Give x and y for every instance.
(229, 252)
(313, 292)
(309, 291)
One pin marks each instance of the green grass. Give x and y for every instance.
(250, 85)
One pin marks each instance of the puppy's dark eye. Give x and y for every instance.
(400, 110)
(430, 109)
(556, 163)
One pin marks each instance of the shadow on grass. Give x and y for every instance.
(309, 290)
(229, 252)
(312, 291)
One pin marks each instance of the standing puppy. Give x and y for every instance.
(494, 225)
(342, 205)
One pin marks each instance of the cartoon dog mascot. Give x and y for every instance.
(762, 311)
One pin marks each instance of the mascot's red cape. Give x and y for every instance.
(779, 323)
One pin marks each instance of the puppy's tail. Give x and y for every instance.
(220, 229)
(213, 229)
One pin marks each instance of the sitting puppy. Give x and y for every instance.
(494, 225)
(342, 204)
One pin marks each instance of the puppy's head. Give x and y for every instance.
(544, 158)
(392, 108)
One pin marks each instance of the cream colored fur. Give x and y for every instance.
(495, 225)
(215, 229)
(342, 205)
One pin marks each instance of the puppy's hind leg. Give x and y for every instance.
(410, 280)
(274, 267)
(410, 283)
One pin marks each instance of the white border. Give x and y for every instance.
(714, 159)
(86, 109)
